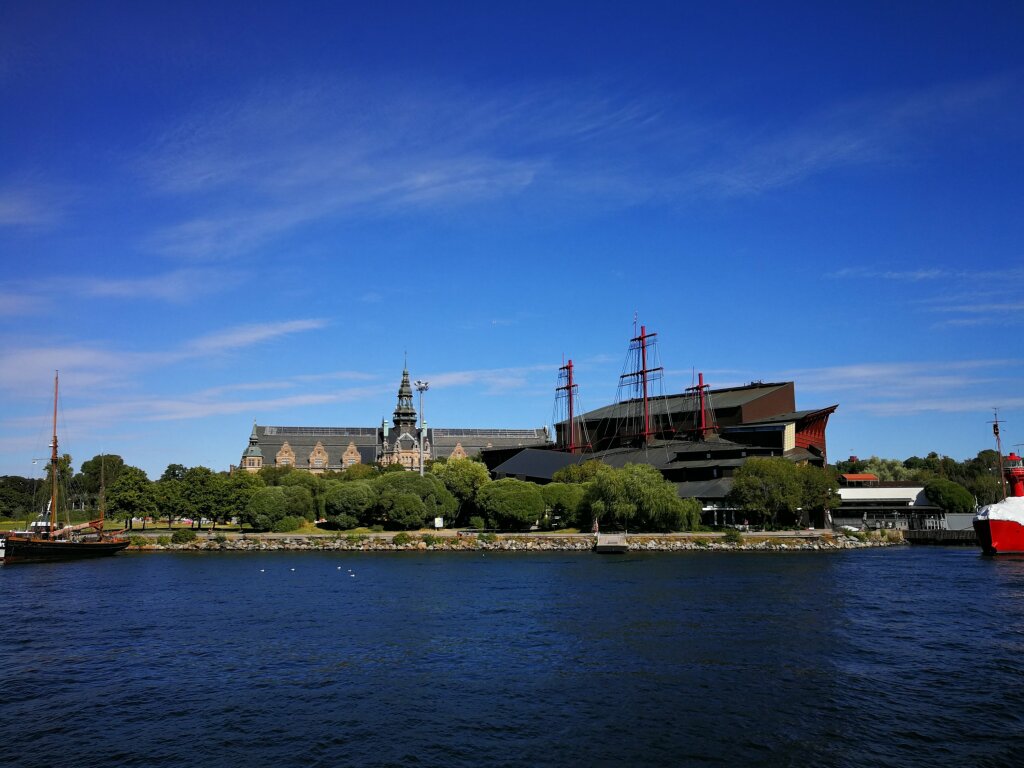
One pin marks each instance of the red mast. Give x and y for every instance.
(640, 343)
(704, 419)
(570, 392)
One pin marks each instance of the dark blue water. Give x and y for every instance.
(899, 657)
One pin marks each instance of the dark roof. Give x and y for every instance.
(704, 489)
(302, 440)
(538, 463)
(784, 417)
(683, 402)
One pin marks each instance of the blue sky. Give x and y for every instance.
(212, 213)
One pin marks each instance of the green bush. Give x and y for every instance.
(138, 541)
(288, 523)
(487, 537)
(339, 523)
(732, 536)
(377, 528)
(431, 539)
(356, 538)
(477, 522)
(183, 536)
(401, 539)
(163, 541)
(220, 538)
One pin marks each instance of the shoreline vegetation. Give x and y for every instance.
(450, 541)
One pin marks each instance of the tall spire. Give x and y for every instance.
(405, 414)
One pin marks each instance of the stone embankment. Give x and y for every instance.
(525, 543)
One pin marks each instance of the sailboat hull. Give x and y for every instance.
(39, 550)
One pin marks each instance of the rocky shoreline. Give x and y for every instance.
(521, 543)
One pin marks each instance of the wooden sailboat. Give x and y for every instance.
(44, 541)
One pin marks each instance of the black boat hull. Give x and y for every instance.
(36, 551)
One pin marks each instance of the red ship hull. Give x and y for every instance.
(1000, 537)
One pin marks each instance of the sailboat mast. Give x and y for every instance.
(53, 459)
(103, 492)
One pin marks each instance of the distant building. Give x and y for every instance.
(900, 505)
(323, 449)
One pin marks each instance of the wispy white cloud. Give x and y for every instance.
(30, 297)
(876, 129)
(203, 406)
(12, 303)
(23, 370)
(932, 274)
(247, 335)
(913, 387)
(180, 285)
(30, 203)
(291, 154)
(490, 380)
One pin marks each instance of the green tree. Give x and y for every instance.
(132, 495)
(103, 468)
(563, 501)
(580, 473)
(299, 501)
(463, 479)
(169, 496)
(204, 492)
(512, 504)
(359, 472)
(768, 488)
(819, 492)
(986, 488)
(949, 496)
(637, 496)
(18, 496)
(390, 512)
(174, 472)
(239, 488)
(314, 484)
(346, 505)
(265, 508)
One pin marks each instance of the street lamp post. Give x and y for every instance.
(421, 387)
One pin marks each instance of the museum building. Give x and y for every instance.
(325, 449)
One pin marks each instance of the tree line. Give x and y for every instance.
(772, 491)
(979, 476)
(460, 491)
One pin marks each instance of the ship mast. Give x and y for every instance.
(704, 413)
(569, 389)
(642, 374)
(54, 460)
(999, 449)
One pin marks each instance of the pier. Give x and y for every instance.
(963, 538)
(611, 543)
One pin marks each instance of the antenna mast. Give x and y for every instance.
(998, 449)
